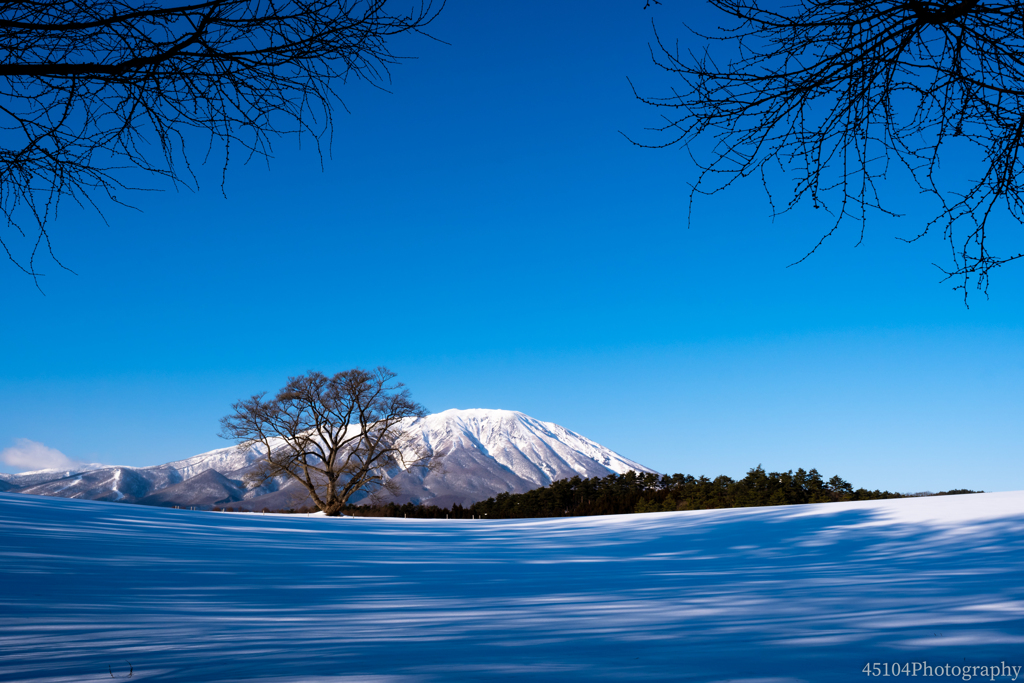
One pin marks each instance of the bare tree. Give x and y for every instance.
(839, 93)
(334, 435)
(92, 89)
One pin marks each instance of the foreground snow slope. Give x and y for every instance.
(808, 593)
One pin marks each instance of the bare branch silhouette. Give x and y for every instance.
(838, 93)
(93, 91)
(336, 436)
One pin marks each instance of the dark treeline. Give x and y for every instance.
(634, 492)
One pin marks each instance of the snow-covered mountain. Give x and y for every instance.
(136, 484)
(484, 453)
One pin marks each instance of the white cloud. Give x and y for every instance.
(27, 456)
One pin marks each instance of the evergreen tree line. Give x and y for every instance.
(635, 492)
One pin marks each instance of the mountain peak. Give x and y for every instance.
(490, 451)
(479, 414)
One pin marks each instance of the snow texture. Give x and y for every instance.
(486, 452)
(802, 593)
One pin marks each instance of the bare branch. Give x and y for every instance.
(838, 93)
(336, 436)
(91, 90)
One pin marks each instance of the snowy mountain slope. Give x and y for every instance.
(110, 483)
(486, 452)
(141, 484)
(799, 594)
(41, 476)
(209, 488)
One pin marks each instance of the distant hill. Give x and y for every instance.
(485, 452)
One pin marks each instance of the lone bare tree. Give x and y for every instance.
(839, 92)
(92, 89)
(334, 435)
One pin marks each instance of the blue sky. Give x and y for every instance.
(486, 231)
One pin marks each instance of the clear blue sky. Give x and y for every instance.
(485, 231)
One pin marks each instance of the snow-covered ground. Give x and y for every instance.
(806, 593)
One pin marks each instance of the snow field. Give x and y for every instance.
(803, 593)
